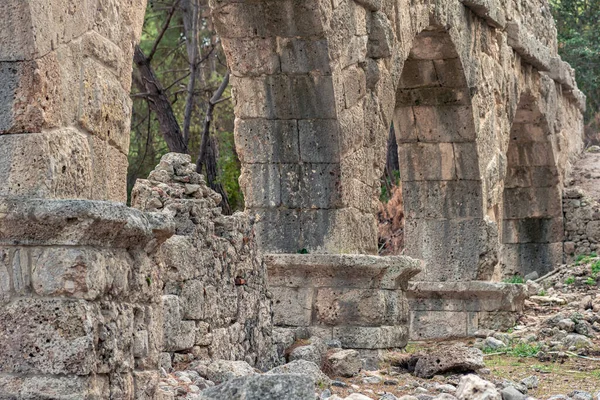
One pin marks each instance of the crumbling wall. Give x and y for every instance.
(214, 294)
(582, 223)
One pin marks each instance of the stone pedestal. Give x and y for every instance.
(80, 308)
(441, 310)
(358, 299)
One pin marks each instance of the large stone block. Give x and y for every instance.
(267, 141)
(276, 97)
(524, 258)
(79, 272)
(252, 56)
(433, 96)
(319, 140)
(532, 230)
(288, 18)
(426, 324)
(444, 124)
(41, 336)
(303, 56)
(382, 337)
(261, 184)
(418, 73)
(531, 154)
(427, 161)
(54, 164)
(292, 306)
(278, 230)
(442, 199)
(33, 28)
(54, 387)
(532, 202)
(526, 176)
(448, 252)
(359, 307)
(310, 186)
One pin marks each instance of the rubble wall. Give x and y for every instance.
(582, 223)
(214, 293)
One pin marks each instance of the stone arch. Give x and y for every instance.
(439, 165)
(532, 219)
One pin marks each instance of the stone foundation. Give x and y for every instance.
(79, 295)
(357, 299)
(458, 309)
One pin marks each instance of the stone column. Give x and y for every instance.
(65, 73)
(80, 313)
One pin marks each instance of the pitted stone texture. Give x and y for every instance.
(263, 387)
(357, 299)
(214, 289)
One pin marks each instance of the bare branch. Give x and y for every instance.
(163, 31)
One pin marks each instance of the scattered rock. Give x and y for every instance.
(494, 343)
(303, 367)
(472, 387)
(454, 358)
(531, 382)
(344, 363)
(510, 393)
(222, 370)
(263, 387)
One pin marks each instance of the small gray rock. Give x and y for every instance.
(263, 387)
(303, 367)
(580, 395)
(510, 393)
(531, 382)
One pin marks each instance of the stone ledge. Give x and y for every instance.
(528, 47)
(562, 72)
(579, 98)
(25, 221)
(341, 270)
(466, 306)
(490, 10)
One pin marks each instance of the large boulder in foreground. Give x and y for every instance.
(263, 387)
(454, 358)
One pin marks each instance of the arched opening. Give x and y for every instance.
(438, 160)
(532, 229)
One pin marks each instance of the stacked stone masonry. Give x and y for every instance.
(318, 83)
(65, 111)
(214, 294)
(582, 223)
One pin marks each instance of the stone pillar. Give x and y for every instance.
(65, 68)
(80, 313)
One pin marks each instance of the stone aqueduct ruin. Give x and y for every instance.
(94, 295)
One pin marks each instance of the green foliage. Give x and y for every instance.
(576, 317)
(171, 67)
(302, 251)
(515, 279)
(542, 293)
(596, 267)
(525, 350)
(590, 281)
(578, 27)
(570, 280)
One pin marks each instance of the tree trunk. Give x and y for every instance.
(212, 154)
(159, 103)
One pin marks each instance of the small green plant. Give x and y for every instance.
(542, 293)
(590, 281)
(570, 280)
(525, 350)
(596, 267)
(302, 251)
(149, 280)
(585, 258)
(515, 279)
(596, 373)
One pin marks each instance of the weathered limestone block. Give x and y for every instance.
(532, 50)
(52, 336)
(357, 299)
(464, 306)
(57, 387)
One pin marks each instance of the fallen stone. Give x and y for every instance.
(472, 387)
(449, 359)
(344, 363)
(531, 382)
(444, 396)
(532, 276)
(577, 341)
(566, 325)
(580, 395)
(263, 387)
(303, 367)
(493, 343)
(358, 396)
(547, 300)
(222, 370)
(510, 393)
